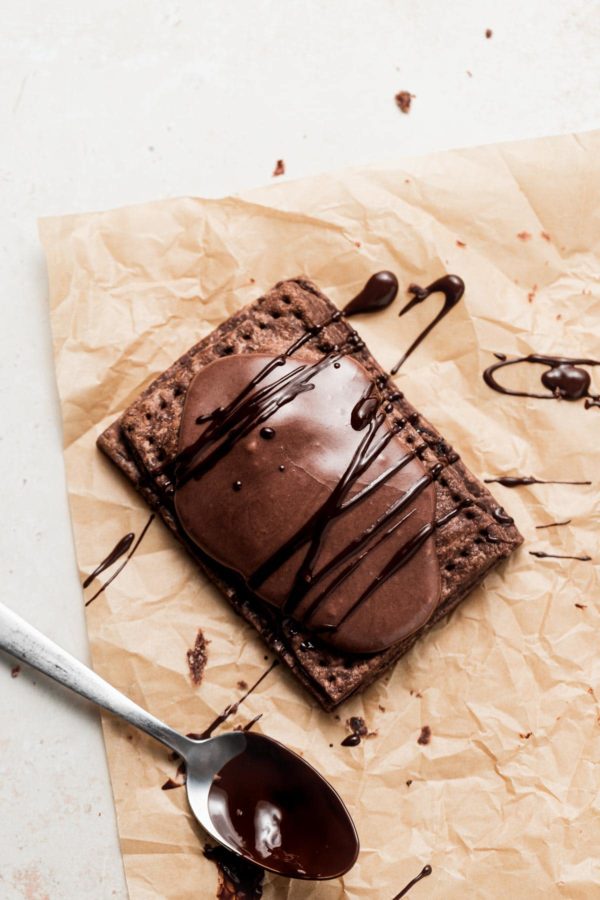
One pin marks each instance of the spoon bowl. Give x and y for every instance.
(249, 792)
(267, 804)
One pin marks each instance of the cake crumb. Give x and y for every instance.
(460, 243)
(15, 671)
(581, 605)
(524, 235)
(381, 708)
(357, 244)
(545, 235)
(488, 33)
(279, 168)
(404, 100)
(532, 293)
(469, 73)
(197, 658)
(526, 736)
(409, 782)
(243, 685)
(425, 736)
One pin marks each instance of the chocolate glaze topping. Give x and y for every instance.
(451, 286)
(563, 377)
(511, 481)
(118, 550)
(379, 291)
(425, 871)
(343, 538)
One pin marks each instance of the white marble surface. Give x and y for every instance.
(106, 103)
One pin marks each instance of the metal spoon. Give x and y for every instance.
(249, 792)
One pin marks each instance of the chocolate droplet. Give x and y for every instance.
(567, 381)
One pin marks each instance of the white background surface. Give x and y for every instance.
(108, 103)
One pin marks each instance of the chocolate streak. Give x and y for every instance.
(425, 871)
(118, 550)
(563, 377)
(451, 286)
(511, 481)
(116, 553)
(554, 524)
(542, 555)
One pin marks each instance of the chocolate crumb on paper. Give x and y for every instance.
(279, 168)
(425, 736)
(404, 100)
(242, 685)
(524, 235)
(358, 730)
(197, 658)
(488, 33)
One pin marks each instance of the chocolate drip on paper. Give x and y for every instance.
(230, 710)
(378, 293)
(451, 286)
(563, 377)
(124, 542)
(554, 524)
(121, 547)
(511, 481)
(238, 878)
(541, 554)
(424, 873)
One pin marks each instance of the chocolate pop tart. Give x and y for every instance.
(331, 515)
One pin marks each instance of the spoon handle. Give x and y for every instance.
(22, 640)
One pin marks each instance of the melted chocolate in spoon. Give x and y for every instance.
(379, 291)
(563, 377)
(451, 286)
(296, 828)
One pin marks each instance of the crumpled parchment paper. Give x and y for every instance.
(504, 799)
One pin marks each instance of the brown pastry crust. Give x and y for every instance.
(145, 438)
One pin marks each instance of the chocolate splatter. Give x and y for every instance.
(197, 658)
(380, 290)
(120, 548)
(15, 671)
(238, 878)
(358, 730)
(425, 736)
(279, 168)
(488, 33)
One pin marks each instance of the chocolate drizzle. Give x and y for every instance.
(262, 396)
(424, 873)
(451, 286)
(511, 481)
(230, 710)
(379, 291)
(116, 553)
(118, 550)
(563, 377)
(554, 524)
(541, 554)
